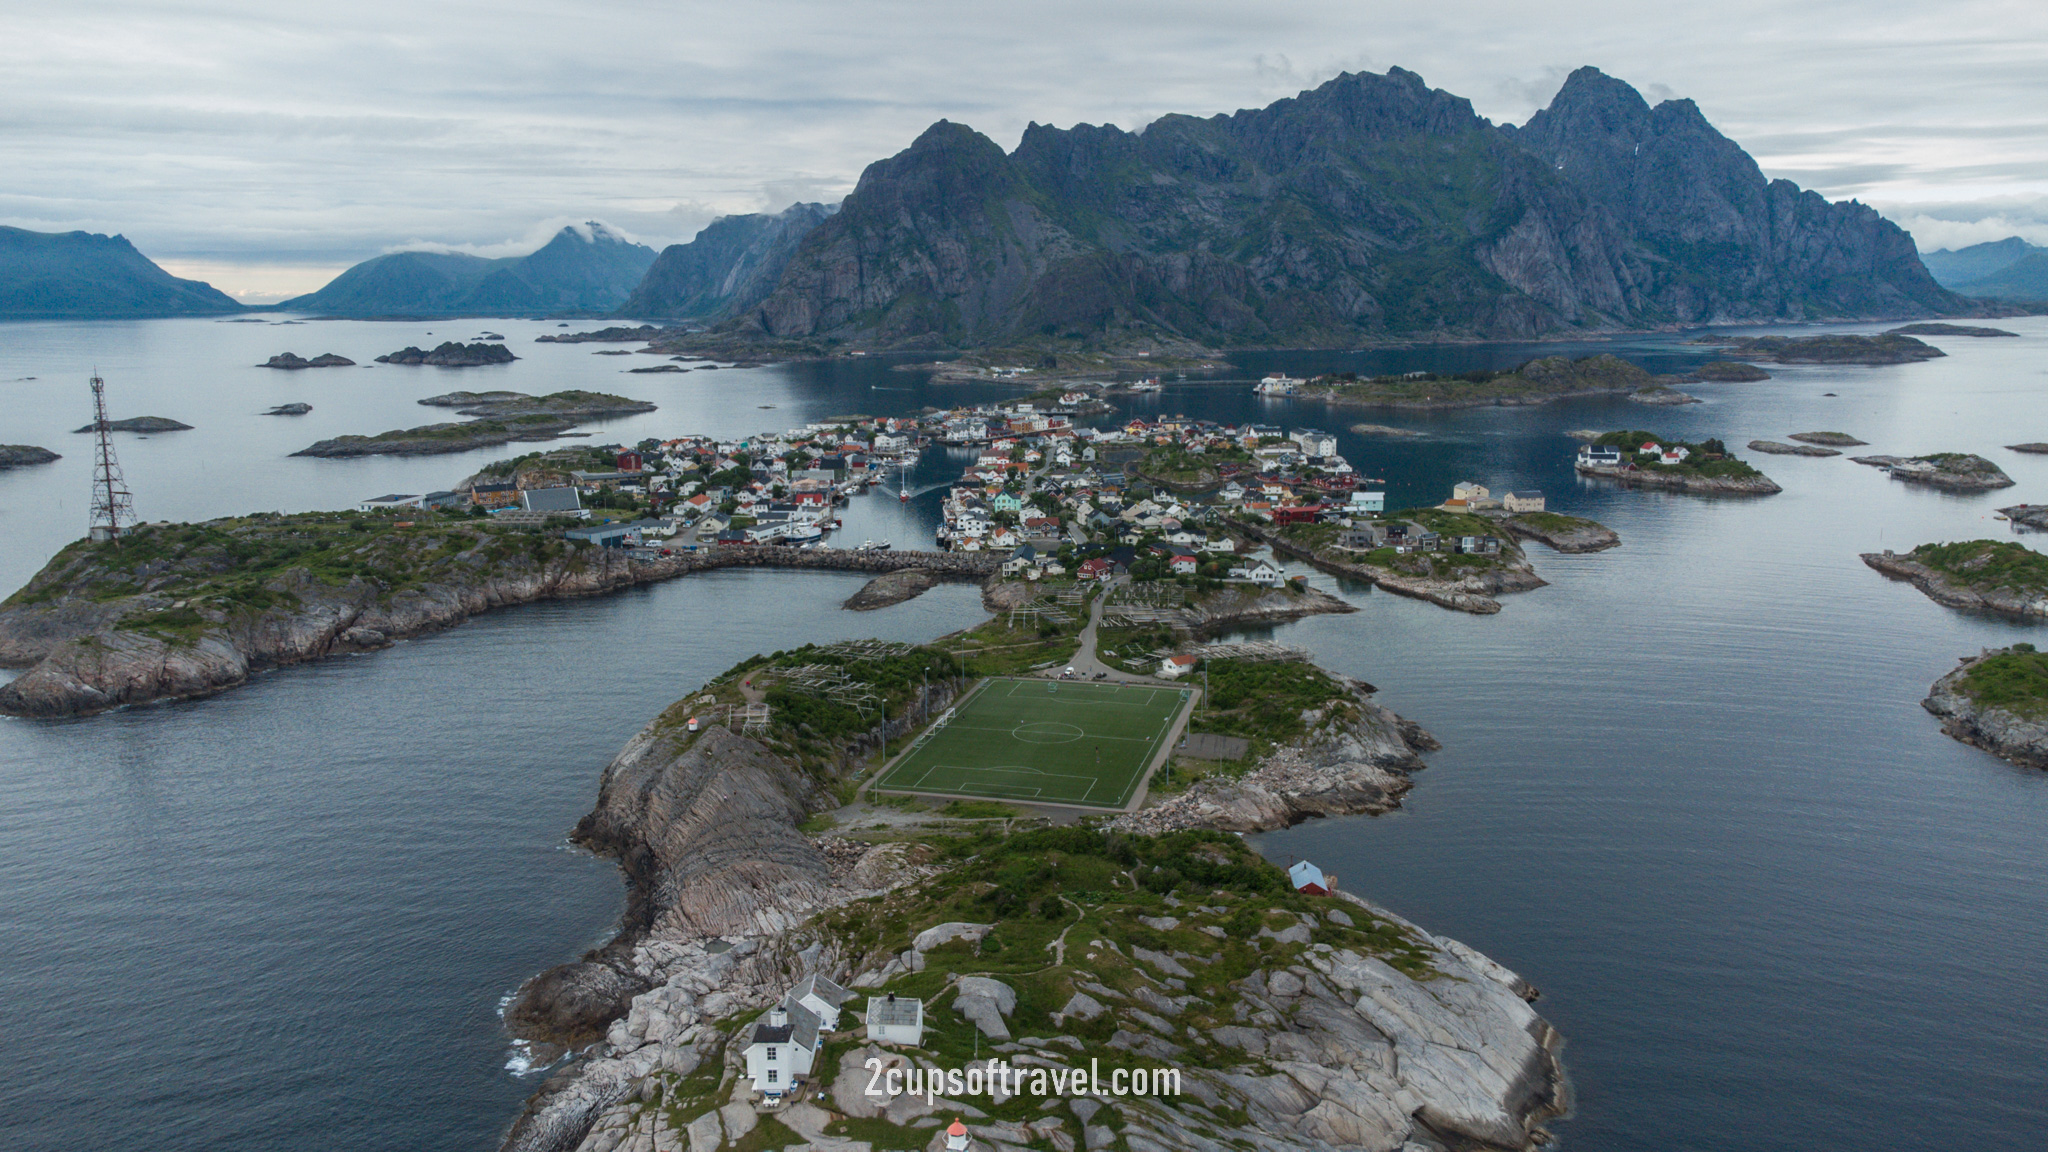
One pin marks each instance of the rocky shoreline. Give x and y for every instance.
(1999, 731)
(1939, 588)
(1583, 536)
(1359, 766)
(1758, 485)
(81, 660)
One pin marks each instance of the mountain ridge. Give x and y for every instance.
(2010, 269)
(90, 275)
(1368, 209)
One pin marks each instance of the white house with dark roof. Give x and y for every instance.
(782, 1048)
(1523, 500)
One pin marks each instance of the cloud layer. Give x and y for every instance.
(269, 145)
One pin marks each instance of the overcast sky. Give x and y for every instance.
(263, 147)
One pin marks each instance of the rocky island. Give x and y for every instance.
(1707, 467)
(1563, 533)
(451, 354)
(2034, 448)
(1833, 348)
(24, 455)
(141, 424)
(1827, 439)
(1726, 372)
(504, 417)
(1953, 471)
(612, 335)
(1541, 381)
(293, 409)
(574, 403)
(1997, 700)
(1995, 576)
(1939, 329)
(1662, 395)
(1774, 448)
(1313, 1021)
(2027, 515)
(293, 362)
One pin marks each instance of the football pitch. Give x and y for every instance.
(1060, 742)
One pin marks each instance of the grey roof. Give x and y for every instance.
(898, 1010)
(551, 500)
(1527, 493)
(803, 1023)
(392, 497)
(766, 1033)
(826, 990)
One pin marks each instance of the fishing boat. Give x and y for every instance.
(872, 546)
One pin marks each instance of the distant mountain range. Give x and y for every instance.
(2009, 269)
(1372, 207)
(71, 275)
(584, 268)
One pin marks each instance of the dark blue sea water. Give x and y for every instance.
(1686, 789)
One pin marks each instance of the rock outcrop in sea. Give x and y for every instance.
(451, 354)
(24, 455)
(142, 424)
(2015, 734)
(293, 362)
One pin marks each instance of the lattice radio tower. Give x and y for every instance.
(112, 506)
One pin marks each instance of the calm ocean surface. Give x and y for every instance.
(1687, 789)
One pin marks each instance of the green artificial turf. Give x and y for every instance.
(1058, 742)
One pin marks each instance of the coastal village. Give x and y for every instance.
(1053, 496)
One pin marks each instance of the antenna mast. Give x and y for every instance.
(111, 504)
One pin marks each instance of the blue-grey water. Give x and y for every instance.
(1686, 789)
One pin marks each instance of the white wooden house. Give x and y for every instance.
(782, 1049)
(1261, 572)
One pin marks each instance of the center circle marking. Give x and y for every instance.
(1046, 732)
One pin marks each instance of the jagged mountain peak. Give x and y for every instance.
(1370, 206)
(594, 232)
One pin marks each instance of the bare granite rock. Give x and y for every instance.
(891, 588)
(1344, 766)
